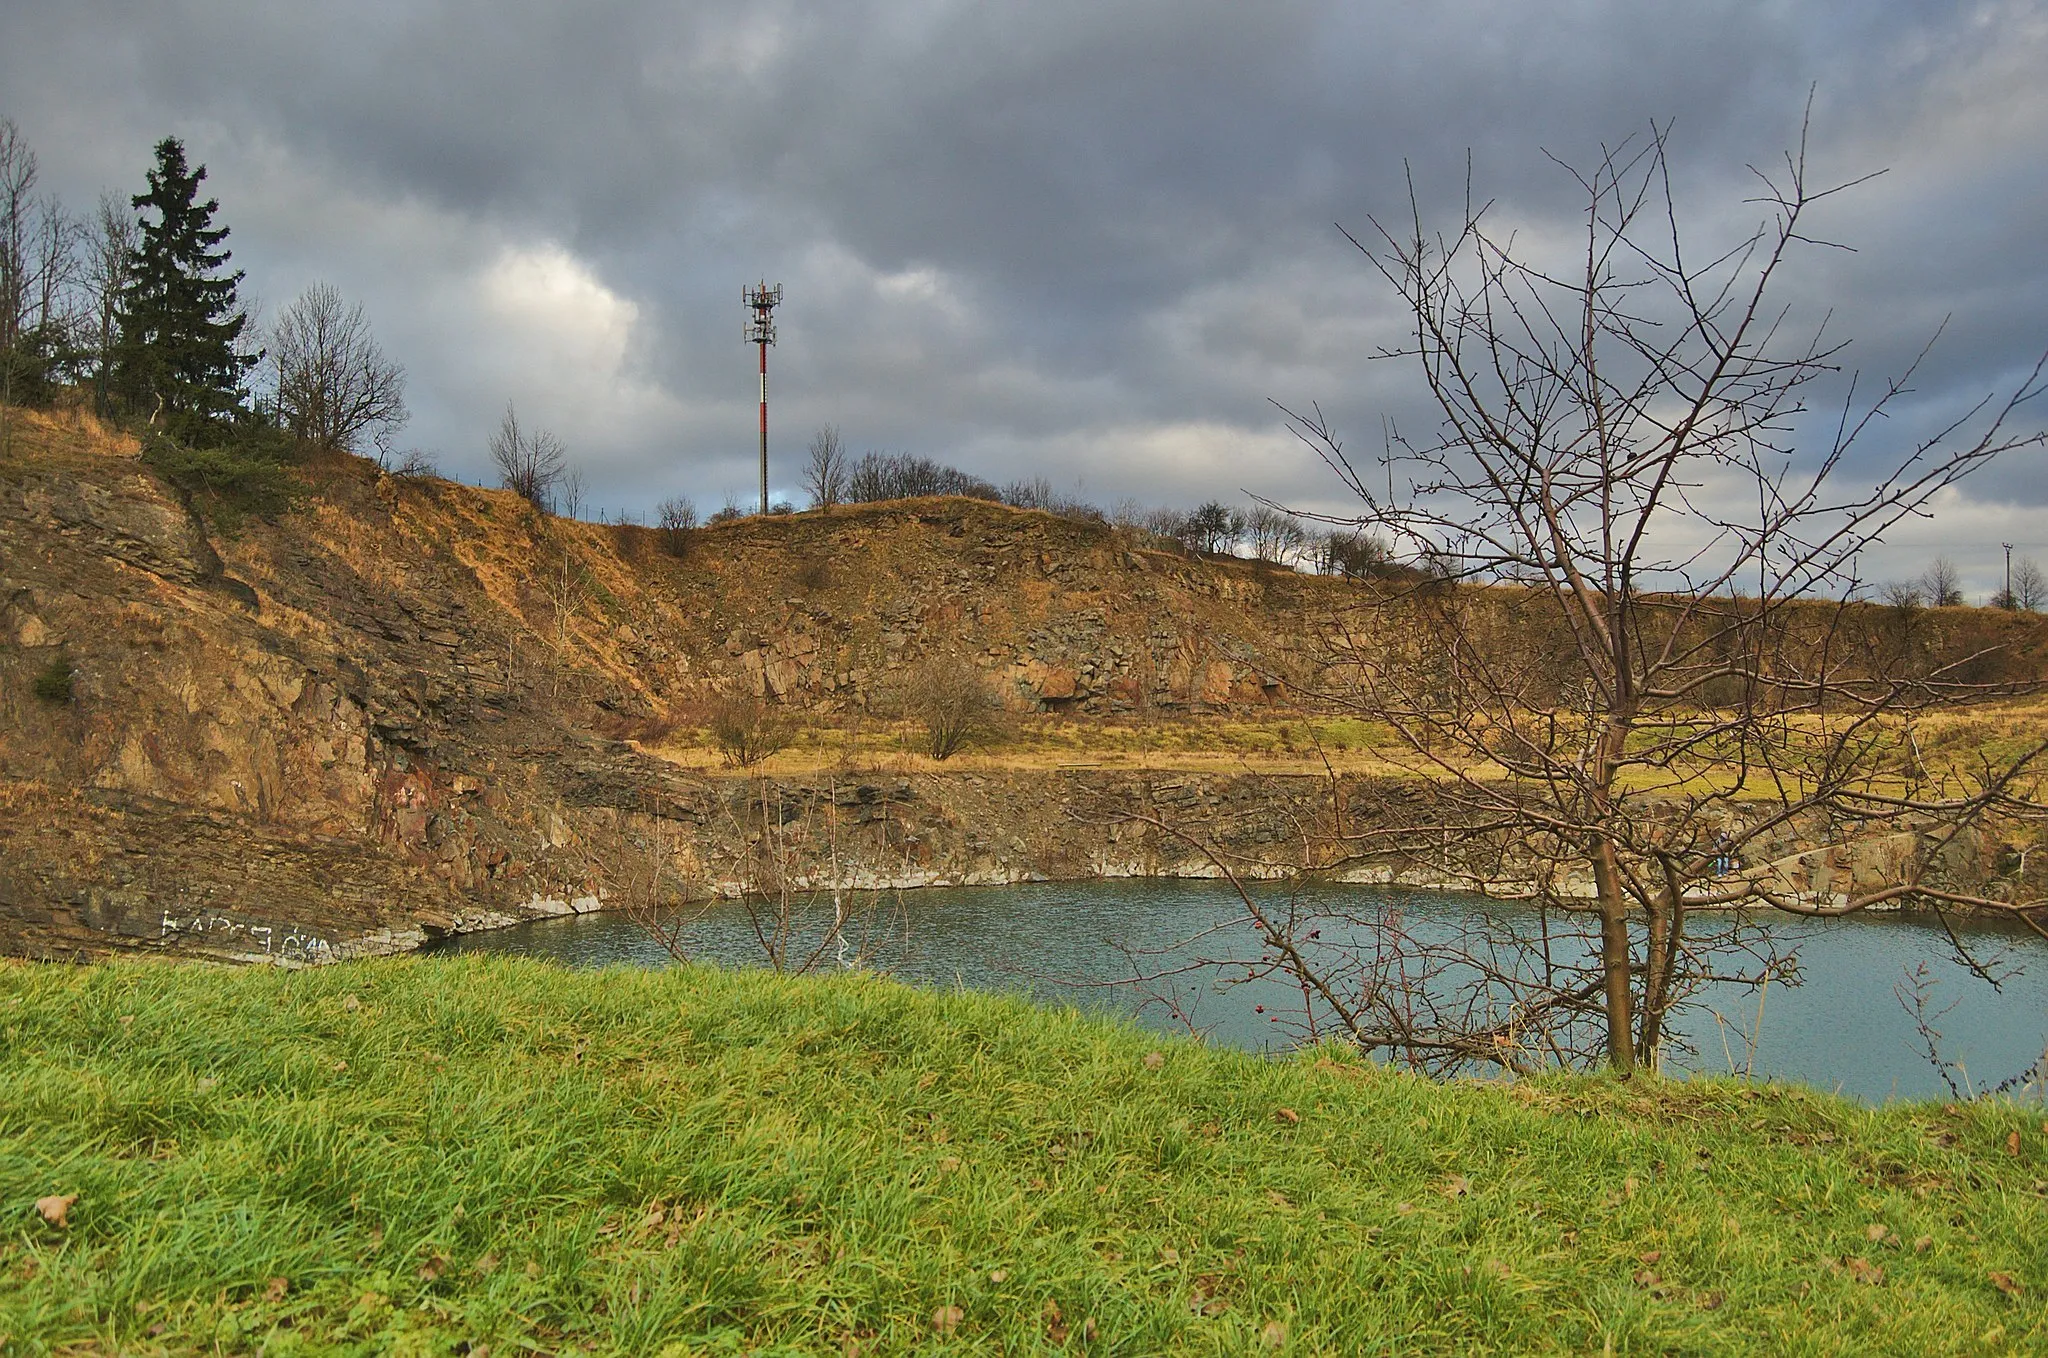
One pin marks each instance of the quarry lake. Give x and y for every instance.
(1843, 1026)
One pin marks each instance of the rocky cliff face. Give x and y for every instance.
(388, 713)
(398, 709)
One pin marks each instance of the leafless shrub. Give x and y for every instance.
(947, 696)
(813, 572)
(676, 521)
(414, 464)
(1904, 595)
(746, 730)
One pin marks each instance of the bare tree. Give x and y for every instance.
(532, 463)
(1942, 583)
(109, 254)
(2029, 586)
(1351, 553)
(38, 264)
(1213, 527)
(1274, 535)
(334, 384)
(18, 171)
(825, 468)
(1658, 698)
(570, 498)
(1904, 595)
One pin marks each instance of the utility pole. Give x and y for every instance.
(762, 300)
(2008, 600)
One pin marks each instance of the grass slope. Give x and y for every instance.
(430, 1156)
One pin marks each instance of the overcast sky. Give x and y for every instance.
(1086, 241)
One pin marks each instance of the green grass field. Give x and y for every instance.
(439, 1156)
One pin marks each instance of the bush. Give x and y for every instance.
(53, 685)
(248, 471)
(947, 697)
(748, 730)
(813, 572)
(677, 521)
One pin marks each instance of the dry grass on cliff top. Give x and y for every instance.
(434, 1156)
(1291, 744)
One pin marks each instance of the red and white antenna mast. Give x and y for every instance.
(762, 300)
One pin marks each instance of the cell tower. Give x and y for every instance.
(762, 300)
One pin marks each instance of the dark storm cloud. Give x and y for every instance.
(1079, 240)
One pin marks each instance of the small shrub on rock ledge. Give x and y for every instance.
(947, 696)
(747, 730)
(53, 685)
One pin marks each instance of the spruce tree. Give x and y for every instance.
(177, 362)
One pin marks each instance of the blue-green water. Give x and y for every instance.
(1842, 1026)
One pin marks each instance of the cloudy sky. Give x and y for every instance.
(1081, 240)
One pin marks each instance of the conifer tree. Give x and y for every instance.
(177, 361)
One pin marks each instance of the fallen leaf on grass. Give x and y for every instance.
(1650, 1256)
(486, 1265)
(1279, 1199)
(206, 1082)
(2005, 1283)
(1712, 1301)
(276, 1289)
(1154, 1060)
(1274, 1335)
(1055, 1327)
(1648, 1280)
(1168, 1255)
(1456, 1186)
(433, 1268)
(55, 1206)
(948, 1164)
(1922, 1244)
(999, 1275)
(1286, 1117)
(1863, 1271)
(339, 1066)
(351, 1004)
(1876, 1231)
(2012, 1143)
(947, 1319)
(1404, 1209)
